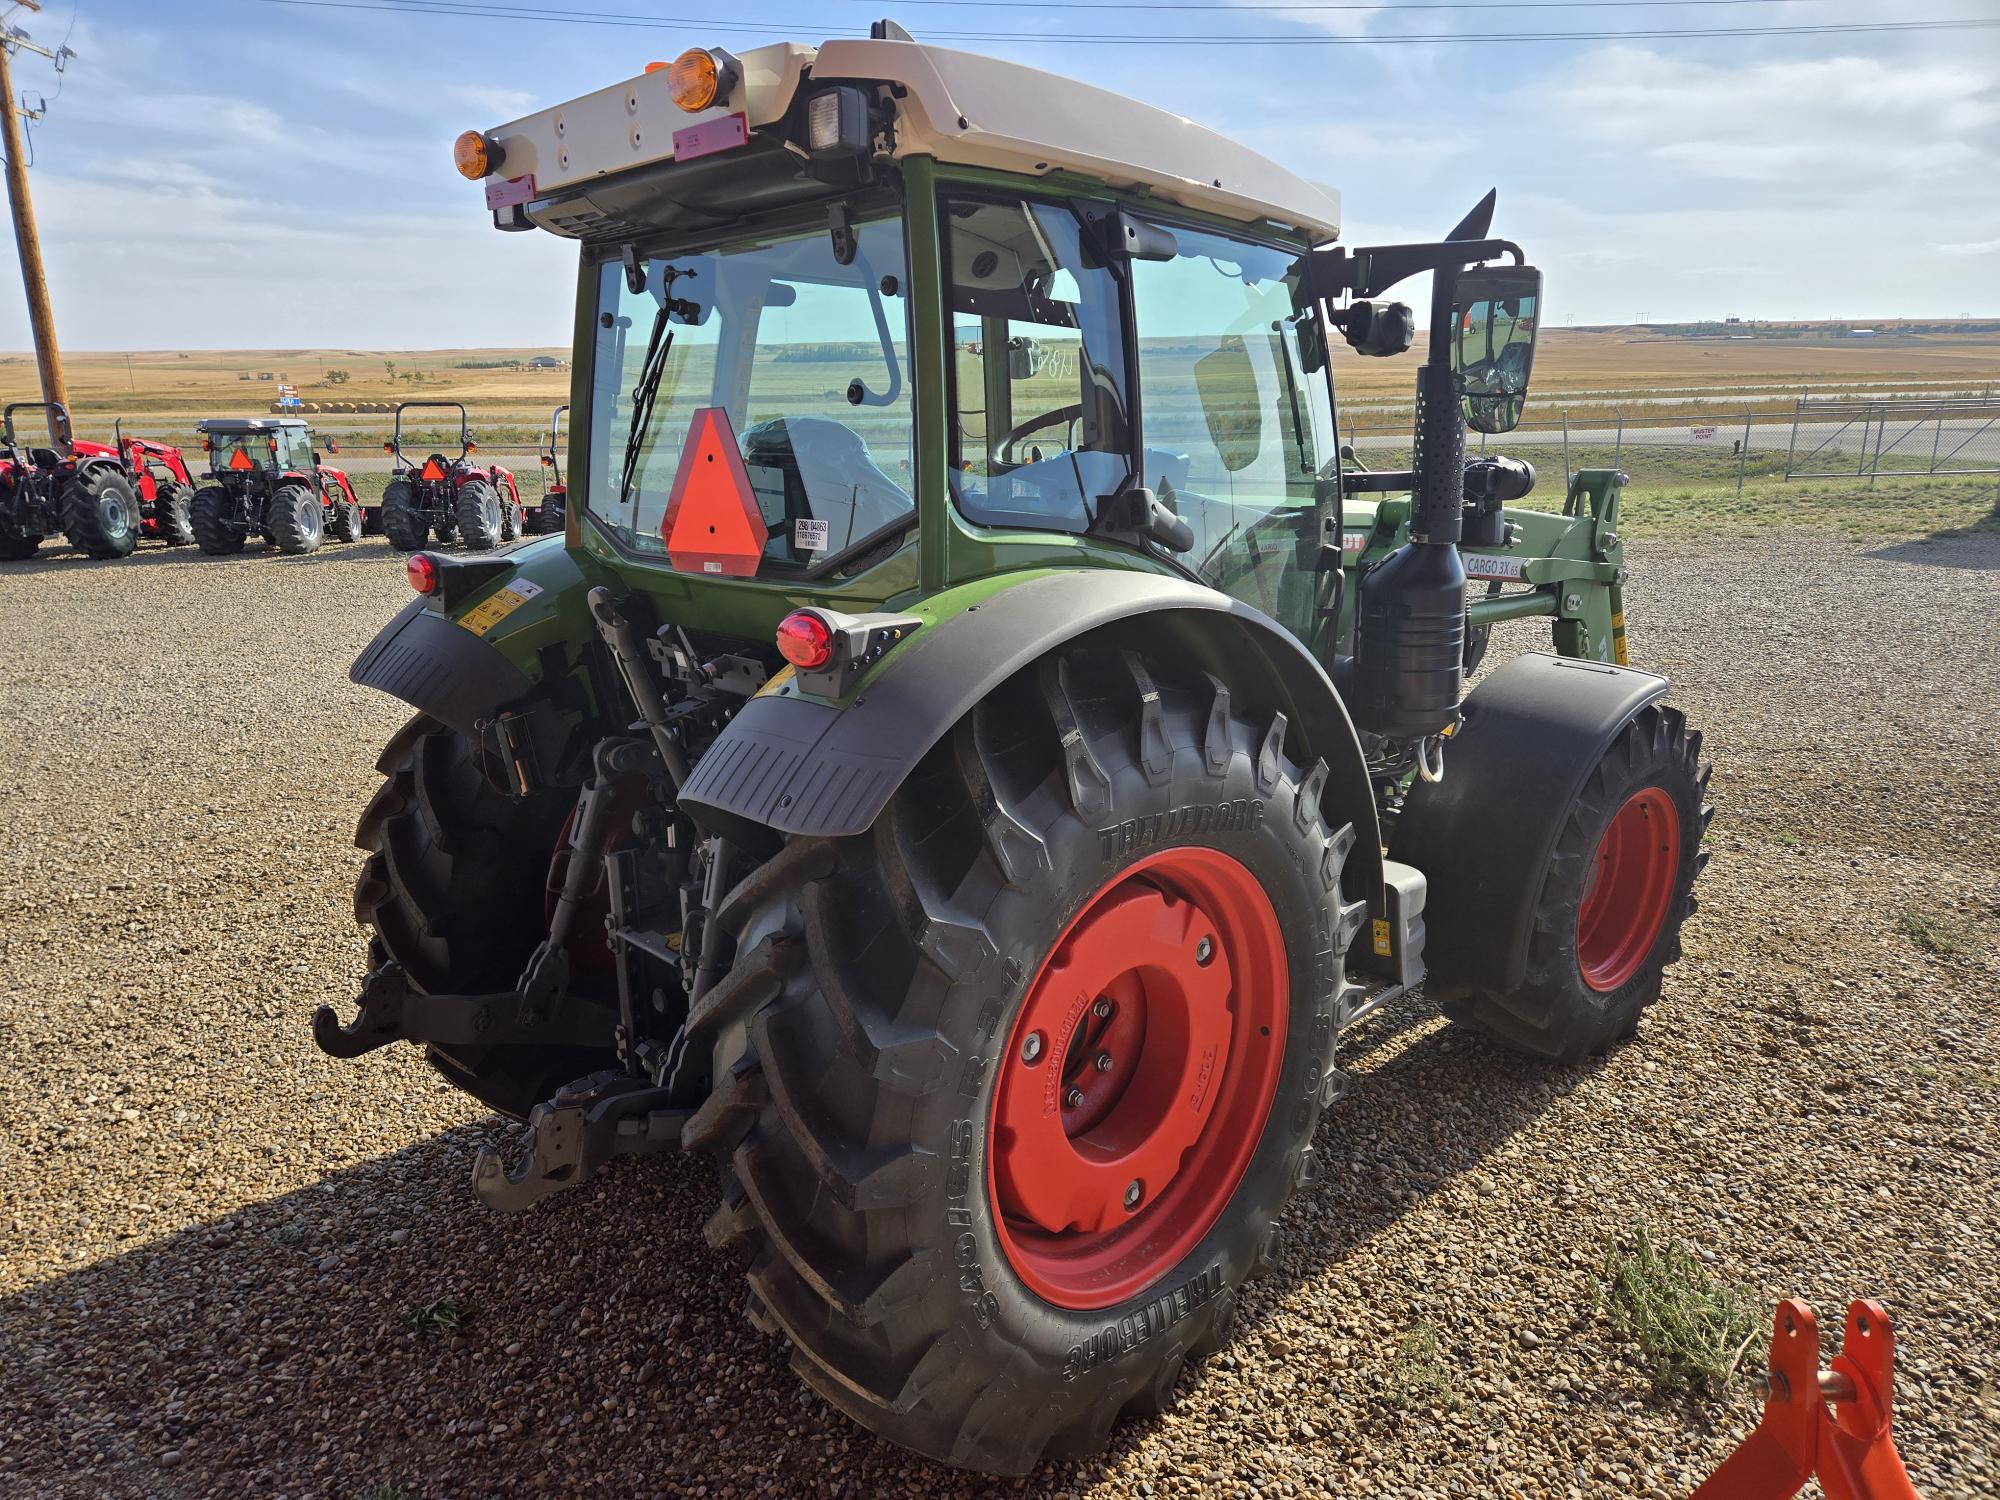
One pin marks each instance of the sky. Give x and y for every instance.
(277, 173)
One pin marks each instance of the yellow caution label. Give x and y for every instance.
(1619, 652)
(1383, 947)
(777, 680)
(491, 610)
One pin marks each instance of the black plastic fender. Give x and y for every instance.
(1482, 837)
(804, 767)
(439, 668)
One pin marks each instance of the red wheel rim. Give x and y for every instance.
(1631, 886)
(1137, 1078)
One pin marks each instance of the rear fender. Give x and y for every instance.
(1533, 732)
(801, 765)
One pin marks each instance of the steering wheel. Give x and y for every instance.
(1065, 414)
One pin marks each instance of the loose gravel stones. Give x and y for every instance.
(230, 1266)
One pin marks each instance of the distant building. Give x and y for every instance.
(545, 362)
(1861, 333)
(1732, 320)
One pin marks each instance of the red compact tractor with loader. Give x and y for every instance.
(478, 504)
(265, 479)
(103, 498)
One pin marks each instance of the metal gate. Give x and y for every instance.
(1867, 439)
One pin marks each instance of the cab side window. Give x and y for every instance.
(1039, 426)
(1237, 431)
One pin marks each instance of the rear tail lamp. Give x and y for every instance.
(388, 447)
(422, 571)
(701, 78)
(804, 640)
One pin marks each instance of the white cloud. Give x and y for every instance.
(1972, 247)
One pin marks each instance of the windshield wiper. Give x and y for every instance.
(659, 343)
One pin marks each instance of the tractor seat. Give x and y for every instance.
(45, 458)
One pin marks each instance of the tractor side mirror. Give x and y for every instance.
(1495, 317)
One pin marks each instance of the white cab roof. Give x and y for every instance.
(959, 107)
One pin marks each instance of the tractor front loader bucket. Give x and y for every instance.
(1830, 1424)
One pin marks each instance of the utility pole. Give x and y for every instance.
(48, 358)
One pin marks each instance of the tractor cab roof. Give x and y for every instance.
(579, 164)
(248, 424)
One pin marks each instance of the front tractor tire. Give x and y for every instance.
(480, 523)
(218, 530)
(100, 514)
(403, 520)
(1009, 1092)
(343, 519)
(453, 888)
(1615, 894)
(172, 513)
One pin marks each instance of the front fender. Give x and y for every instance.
(801, 766)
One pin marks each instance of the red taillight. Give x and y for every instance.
(422, 569)
(805, 641)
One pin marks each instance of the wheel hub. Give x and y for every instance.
(1630, 888)
(1140, 1070)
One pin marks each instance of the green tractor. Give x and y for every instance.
(978, 742)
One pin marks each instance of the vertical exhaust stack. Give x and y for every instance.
(1410, 626)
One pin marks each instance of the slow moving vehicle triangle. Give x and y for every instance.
(712, 524)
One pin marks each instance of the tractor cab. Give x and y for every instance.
(266, 480)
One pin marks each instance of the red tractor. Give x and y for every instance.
(551, 515)
(481, 506)
(103, 498)
(266, 479)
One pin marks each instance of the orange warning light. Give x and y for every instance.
(712, 524)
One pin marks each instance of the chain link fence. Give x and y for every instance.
(1816, 440)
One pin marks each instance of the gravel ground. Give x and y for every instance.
(215, 1239)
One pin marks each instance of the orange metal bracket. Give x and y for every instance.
(1830, 1423)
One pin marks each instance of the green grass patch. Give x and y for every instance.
(1690, 1327)
(1418, 1375)
(1937, 932)
(441, 1316)
(1848, 509)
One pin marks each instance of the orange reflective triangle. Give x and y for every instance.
(712, 524)
(241, 459)
(431, 470)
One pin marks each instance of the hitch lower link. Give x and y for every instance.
(391, 1009)
(570, 1136)
(1831, 1424)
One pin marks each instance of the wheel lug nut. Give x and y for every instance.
(1073, 1099)
(1101, 1010)
(1204, 952)
(1032, 1047)
(1104, 1062)
(1133, 1193)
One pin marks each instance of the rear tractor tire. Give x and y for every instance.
(218, 531)
(479, 516)
(1615, 894)
(406, 526)
(453, 889)
(295, 519)
(100, 514)
(1009, 1091)
(172, 514)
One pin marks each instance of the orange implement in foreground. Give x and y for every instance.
(1833, 1424)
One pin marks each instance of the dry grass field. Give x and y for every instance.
(163, 394)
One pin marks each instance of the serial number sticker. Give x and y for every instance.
(1486, 565)
(811, 536)
(491, 610)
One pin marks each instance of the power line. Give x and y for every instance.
(487, 10)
